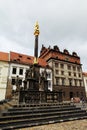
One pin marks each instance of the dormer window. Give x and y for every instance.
(67, 58)
(56, 48)
(56, 57)
(65, 51)
(74, 54)
(18, 59)
(15, 60)
(28, 58)
(20, 56)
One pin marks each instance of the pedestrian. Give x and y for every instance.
(83, 101)
(72, 101)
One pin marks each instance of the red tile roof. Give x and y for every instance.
(4, 56)
(84, 74)
(25, 59)
(48, 53)
(21, 58)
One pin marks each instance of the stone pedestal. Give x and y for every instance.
(8, 90)
(32, 84)
(45, 85)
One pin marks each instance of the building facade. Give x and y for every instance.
(64, 71)
(14, 65)
(4, 66)
(18, 65)
(85, 81)
(67, 71)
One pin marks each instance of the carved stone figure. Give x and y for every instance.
(17, 83)
(45, 74)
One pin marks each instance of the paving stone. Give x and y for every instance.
(71, 125)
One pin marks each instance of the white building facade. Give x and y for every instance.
(17, 70)
(20, 70)
(13, 65)
(3, 78)
(19, 63)
(49, 77)
(85, 81)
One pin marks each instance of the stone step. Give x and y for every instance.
(20, 116)
(41, 114)
(14, 124)
(34, 110)
(42, 104)
(40, 107)
(27, 125)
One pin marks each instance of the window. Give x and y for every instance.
(70, 82)
(79, 75)
(56, 57)
(75, 74)
(28, 58)
(57, 81)
(56, 65)
(86, 82)
(74, 68)
(67, 58)
(49, 84)
(13, 81)
(78, 68)
(20, 81)
(69, 67)
(20, 56)
(80, 82)
(14, 71)
(56, 71)
(69, 73)
(62, 72)
(75, 82)
(63, 81)
(62, 66)
(0, 70)
(20, 71)
(49, 75)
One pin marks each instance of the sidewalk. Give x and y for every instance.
(71, 125)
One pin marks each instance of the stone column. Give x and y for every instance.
(36, 33)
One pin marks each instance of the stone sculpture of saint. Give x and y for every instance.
(17, 83)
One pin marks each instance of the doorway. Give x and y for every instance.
(71, 95)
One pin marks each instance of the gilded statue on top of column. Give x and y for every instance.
(36, 29)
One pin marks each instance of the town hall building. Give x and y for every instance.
(66, 71)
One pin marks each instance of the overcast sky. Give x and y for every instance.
(62, 23)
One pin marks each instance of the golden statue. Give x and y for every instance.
(36, 29)
(35, 60)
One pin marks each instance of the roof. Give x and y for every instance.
(45, 50)
(84, 74)
(48, 53)
(25, 59)
(4, 56)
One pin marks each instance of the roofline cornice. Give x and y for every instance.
(62, 60)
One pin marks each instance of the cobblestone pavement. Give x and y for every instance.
(71, 125)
